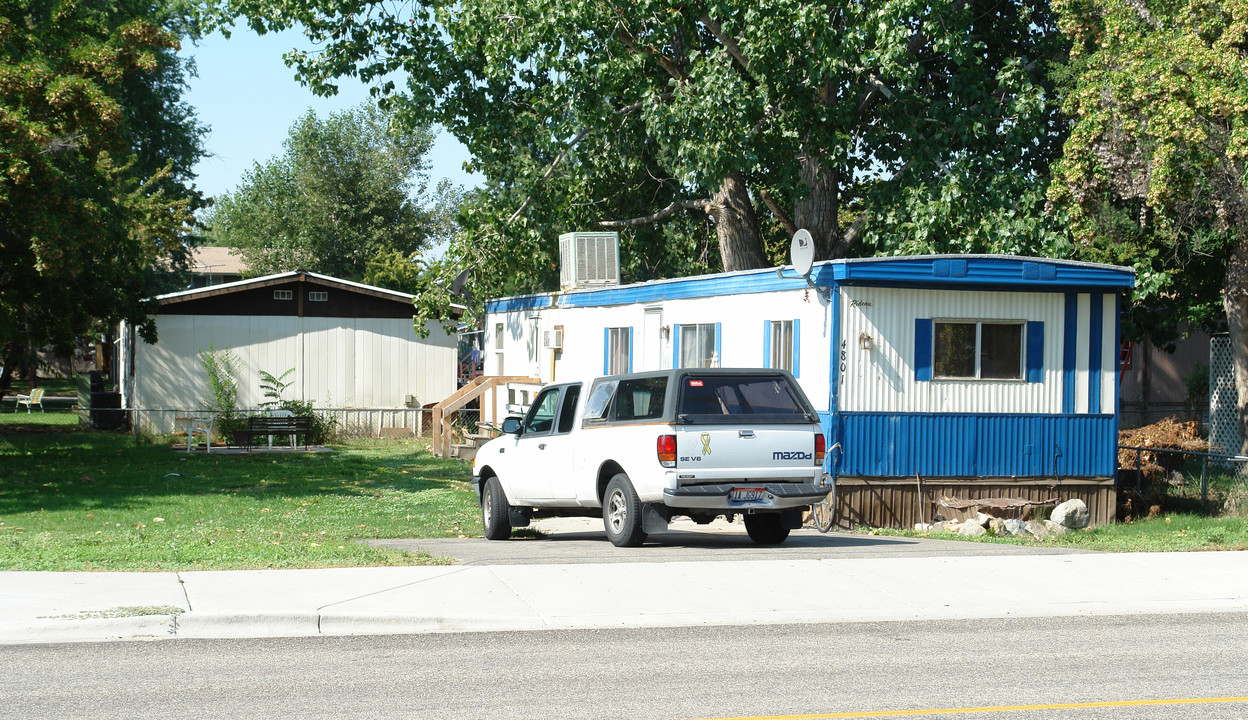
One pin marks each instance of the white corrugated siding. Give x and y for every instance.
(1109, 355)
(883, 378)
(1083, 342)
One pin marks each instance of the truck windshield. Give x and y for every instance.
(740, 396)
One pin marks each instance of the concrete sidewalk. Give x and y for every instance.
(74, 607)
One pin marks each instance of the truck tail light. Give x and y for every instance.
(821, 448)
(666, 448)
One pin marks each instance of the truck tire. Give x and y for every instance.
(621, 513)
(766, 528)
(495, 513)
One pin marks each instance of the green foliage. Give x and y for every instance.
(347, 188)
(1197, 383)
(96, 148)
(93, 501)
(323, 426)
(272, 387)
(1153, 174)
(221, 366)
(911, 125)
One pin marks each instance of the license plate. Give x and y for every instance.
(746, 494)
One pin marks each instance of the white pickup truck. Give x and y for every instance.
(645, 447)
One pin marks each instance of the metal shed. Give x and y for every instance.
(353, 349)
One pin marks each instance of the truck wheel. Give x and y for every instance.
(494, 511)
(766, 528)
(621, 513)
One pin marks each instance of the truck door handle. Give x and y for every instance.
(745, 433)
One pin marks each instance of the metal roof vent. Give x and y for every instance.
(589, 259)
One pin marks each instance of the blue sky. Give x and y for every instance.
(249, 99)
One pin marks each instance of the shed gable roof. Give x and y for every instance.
(230, 294)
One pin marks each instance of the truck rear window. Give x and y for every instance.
(728, 396)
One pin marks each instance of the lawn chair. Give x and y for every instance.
(281, 413)
(34, 398)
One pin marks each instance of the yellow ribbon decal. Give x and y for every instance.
(706, 443)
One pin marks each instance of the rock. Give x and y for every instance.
(1038, 529)
(943, 526)
(1014, 526)
(1055, 528)
(971, 529)
(997, 526)
(922, 527)
(982, 518)
(1071, 514)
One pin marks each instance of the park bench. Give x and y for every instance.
(266, 426)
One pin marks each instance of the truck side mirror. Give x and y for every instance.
(511, 426)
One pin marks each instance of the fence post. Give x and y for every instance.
(1139, 487)
(1204, 483)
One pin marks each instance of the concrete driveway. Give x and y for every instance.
(568, 541)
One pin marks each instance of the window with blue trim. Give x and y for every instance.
(979, 350)
(699, 345)
(779, 344)
(619, 350)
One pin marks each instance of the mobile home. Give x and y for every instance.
(941, 379)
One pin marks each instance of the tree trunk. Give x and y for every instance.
(819, 212)
(1235, 302)
(736, 225)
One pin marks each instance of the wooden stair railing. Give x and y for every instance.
(461, 397)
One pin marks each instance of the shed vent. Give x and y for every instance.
(589, 259)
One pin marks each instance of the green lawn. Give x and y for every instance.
(72, 499)
(36, 422)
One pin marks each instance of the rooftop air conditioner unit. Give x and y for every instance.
(553, 339)
(589, 259)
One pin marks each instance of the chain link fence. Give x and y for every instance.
(346, 422)
(1187, 481)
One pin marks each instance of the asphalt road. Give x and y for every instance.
(999, 667)
(582, 540)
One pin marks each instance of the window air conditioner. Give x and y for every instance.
(553, 339)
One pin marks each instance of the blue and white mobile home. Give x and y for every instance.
(963, 377)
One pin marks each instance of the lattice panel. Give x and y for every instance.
(1223, 424)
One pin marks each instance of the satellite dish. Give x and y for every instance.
(802, 252)
(457, 285)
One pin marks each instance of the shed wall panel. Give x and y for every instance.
(336, 364)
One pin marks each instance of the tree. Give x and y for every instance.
(95, 148)
(898, 124)
(347, 188)
(1153, 173)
